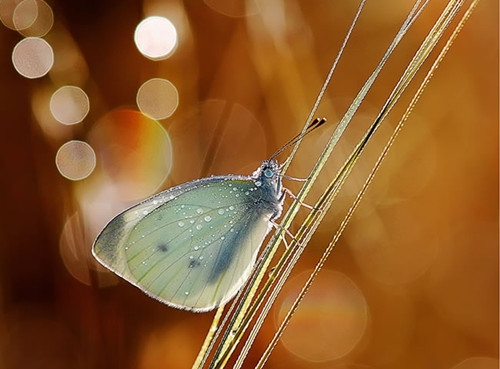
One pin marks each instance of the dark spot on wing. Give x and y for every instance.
(162, 247)
(194, 263)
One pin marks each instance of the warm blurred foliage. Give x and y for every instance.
(413, 283)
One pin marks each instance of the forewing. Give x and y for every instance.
(109, 246)
(193, 251)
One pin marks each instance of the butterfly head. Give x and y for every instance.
(268, 175)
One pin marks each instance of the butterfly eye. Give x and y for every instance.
(268, 173)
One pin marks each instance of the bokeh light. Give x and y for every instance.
(75, 160)
(157, 98)
(221, 129)
(33, 18)
(389, 256)
(74, 248)
(135, 152)
(329, 322)
(33, 57)
(155, 37)
(7, 8)
(40, 106)
(69, 105)
(25, 14)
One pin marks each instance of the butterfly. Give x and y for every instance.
(193, 246)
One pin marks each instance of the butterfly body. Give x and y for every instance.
(193, 246)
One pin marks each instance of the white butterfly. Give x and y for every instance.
(194, 245)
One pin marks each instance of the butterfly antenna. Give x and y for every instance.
(316, 123)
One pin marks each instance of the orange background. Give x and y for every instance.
(422, 248)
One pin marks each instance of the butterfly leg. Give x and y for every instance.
(278, 226)
(292, 195)
(295, 178)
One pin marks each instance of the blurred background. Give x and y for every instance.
(106, 102)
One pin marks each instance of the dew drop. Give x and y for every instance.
(199, 211)
(191, 221)
(199, 226)
(196, 248)
(258, 183)
(208, 218)
(180, 224)
(155, 202)
(222, 237)
(231, 207)
(186, 293)
(145, 212)
(220, 211)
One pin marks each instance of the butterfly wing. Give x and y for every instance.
(191, 247)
